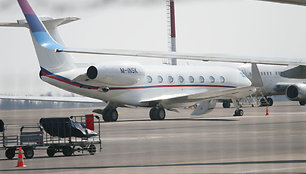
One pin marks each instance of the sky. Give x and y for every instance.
(237, 27)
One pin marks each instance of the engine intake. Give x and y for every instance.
(296, 92)
(92, 72)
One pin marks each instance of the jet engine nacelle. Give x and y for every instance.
(118, 74)
(296, 92)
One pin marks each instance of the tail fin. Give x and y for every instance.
(43, 42)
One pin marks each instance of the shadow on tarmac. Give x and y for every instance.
(156, 165)
(174, 119)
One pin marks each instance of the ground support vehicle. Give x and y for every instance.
(34, 137)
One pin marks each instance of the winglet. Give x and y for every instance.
(37, 28)
(256, 78)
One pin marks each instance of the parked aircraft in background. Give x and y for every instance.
(130, 83)
(279, 80)
(275, 84)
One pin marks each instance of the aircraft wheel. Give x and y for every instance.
(263, 102)
(110, 115)
(302, 103)
(238, 112)
(152, 113)
(270, 101)
(157, 114)
(226, 104)
(160, 114)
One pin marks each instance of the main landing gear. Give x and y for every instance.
(302, 103)
(266, 101)
(226, 104)
(110, 115)
(157, 113)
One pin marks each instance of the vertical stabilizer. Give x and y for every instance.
(44, 43)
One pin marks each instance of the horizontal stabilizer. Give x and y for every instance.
(53, 99)
(293, 2)
(47, 21)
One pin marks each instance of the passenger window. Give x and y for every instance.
(191, 79)
(160, 79)
(261, 73)
(222, 79)
(149, 79)
(212, 79)
(170, 79)
(181, 79)
(201, 79)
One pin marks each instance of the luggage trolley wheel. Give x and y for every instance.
(10, 153)
(28, 152)
(51, 151)
(92, 149)
(67, 150)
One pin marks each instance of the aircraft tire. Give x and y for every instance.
(160, 114)
(152, 113)
(226, 104)
(302, 103)
(157, 114)
(110, 115)
(238, 112)
(270, 101)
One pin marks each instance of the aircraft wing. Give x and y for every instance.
(198, 96)
(191, 56)
(53, 99)
(294, 2)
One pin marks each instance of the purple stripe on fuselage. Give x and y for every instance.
(34, 23)
(25, 6)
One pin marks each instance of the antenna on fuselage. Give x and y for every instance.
(171, 31)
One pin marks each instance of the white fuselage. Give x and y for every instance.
(159, 81)
(273, 83)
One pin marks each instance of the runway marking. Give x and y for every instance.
(131, 138)
(278, 169)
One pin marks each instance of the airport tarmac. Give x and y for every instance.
(212, 143)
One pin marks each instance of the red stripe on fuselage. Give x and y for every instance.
(65, 81)
(128, 88)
